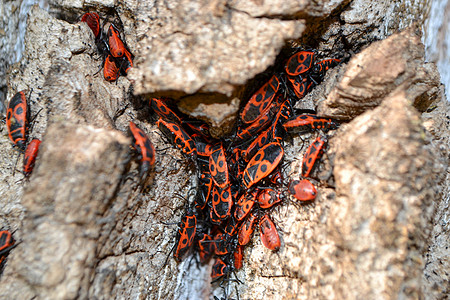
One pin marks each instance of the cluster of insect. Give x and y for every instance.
(117, 57)
(240, 177)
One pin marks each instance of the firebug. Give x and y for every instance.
(144, 148)
(116, 46)
(160, 107)
(309, 122)
(178, 136)
(206, 247)
(30, 156)
(93, 21)
(17, 117)
(244, 205)
(238, 257)
(312, 154)
(299, 63)
(219, 269)
(218, 166)
(269, 233)
(247, 228)
(222, 202)
(268, 197)
(302, 190)
(6, 244)
(260, 101)
(262, 164)
(110, 69)
(185, 235)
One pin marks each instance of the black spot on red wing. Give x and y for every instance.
(216, 198)
(221, 163)
(19, 110)
(212, 168)
(148, 145)
(257, 157)
(263, 168)
(258, 97)
(225, 194)
(3, 238)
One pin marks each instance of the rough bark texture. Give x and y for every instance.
(205, 45)
(89, 230)
(394, 63)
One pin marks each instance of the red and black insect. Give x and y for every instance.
(206, 247)
(312, 154)
(218, 166)
(222, 202)
(214, 218)
(238, 257)
(201, 129)
(159, 105)
(244, 205)
(116, 46)
(300, 85)
(261, 140)
(276, 177)
(144, 147)
(219, 269)
(260, 102)
(265, 120)
(302, 190)
(247, 228)
(278, 131)
(262, 164)
(110, 69)
(205, 190)
(126, 62)
(268, 197)
(6, 244)
(203, 149)
(221, 242)
(17, 117)
(30, 156)
(243, 134)
(299, 63)
(321, 67)
(178, 137)
(309, 122)
(185, 235)
(269, 234)
(93, 21)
